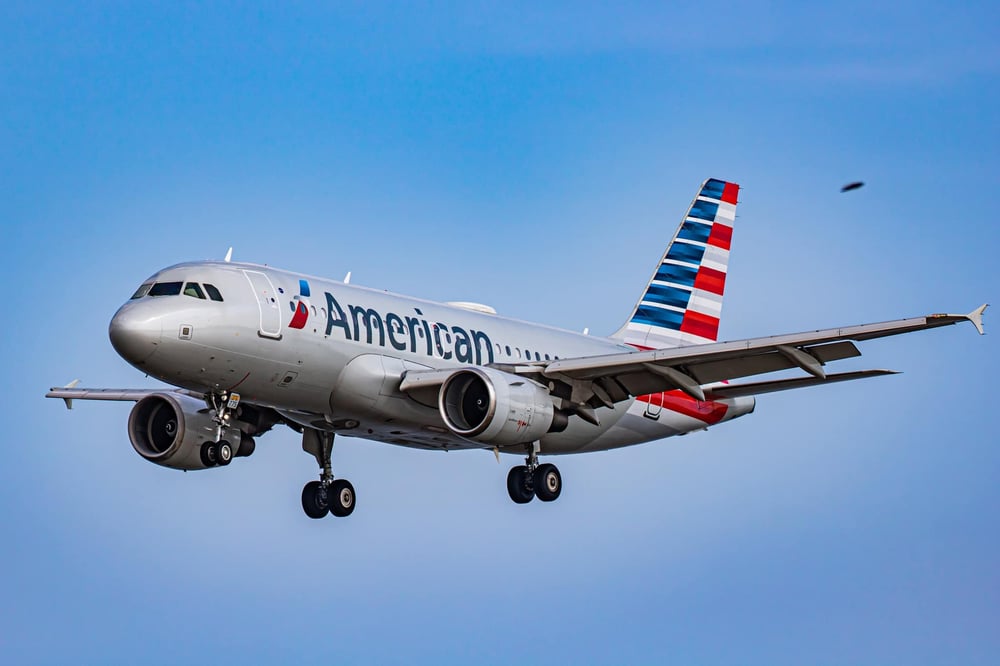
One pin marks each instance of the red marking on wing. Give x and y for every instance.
(709, 411)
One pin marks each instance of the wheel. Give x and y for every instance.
(246, 448)
(314, 500)
(548, 482)
(517, 485)
(341, 497)
(223, 453)
(208, 454)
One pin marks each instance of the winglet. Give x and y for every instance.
(976, 317)
(69, 401)
(229, 255)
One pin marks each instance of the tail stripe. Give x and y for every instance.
(682, 303)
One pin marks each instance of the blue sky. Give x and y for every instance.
(536, 158)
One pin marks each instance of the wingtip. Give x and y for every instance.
(976, 317)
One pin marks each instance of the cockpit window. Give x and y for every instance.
(142, 290)
(166, 289)
(213, 293)
(192, 289)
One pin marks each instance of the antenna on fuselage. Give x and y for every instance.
(229, 255)
(347, 278)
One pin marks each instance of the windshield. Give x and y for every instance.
(165, 289)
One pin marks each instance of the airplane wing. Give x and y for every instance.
(70, 392)
(604, 380)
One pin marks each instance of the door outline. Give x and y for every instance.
(267, 304)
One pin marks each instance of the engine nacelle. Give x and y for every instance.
(169, 429)
(495, 407)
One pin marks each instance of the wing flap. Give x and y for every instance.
(756, 388)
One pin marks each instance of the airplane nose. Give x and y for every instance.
(135, 333)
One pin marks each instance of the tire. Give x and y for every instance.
(223, 453)
(208, 454)
(314, 500)
(247, 447)
(517, 485)
(548, 482)
(341, 498)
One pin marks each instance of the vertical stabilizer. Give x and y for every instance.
(682, 302)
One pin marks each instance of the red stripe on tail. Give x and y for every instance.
(710, 280)
(700, 324)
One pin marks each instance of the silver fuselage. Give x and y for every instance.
(331, 355)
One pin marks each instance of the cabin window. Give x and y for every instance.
(193, 290)
(213, 293)
(547, 358)
(508, 350)
(165, 289)
(142, 290)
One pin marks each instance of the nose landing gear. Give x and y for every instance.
(525, 482)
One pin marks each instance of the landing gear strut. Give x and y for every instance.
(328, 495)
(220, 452)
(525, 482)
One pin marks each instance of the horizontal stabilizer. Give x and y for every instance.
(756, 388)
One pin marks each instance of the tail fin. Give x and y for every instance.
(682, 303)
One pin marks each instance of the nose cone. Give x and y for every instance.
(135, 332)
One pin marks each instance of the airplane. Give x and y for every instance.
(247, 347)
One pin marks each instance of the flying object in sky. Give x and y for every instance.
(250, 347)
(856, 185)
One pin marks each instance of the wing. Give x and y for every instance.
(697, 370)
(70, 392)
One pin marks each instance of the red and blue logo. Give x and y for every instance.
(300, 306)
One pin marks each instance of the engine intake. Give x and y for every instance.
(495, 407)
(169, 428)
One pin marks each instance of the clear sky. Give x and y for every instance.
(535, 157)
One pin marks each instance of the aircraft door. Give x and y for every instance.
(654, 406)
(267, 304)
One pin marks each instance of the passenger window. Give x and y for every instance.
(508, 350)
(165, 289)
(142, 290)
(213, 293)
(192, 289)
(527, 354)
(547, 358)
(538, 357)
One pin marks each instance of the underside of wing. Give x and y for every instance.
(605, 380)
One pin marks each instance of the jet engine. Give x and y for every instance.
(496, 407)
(171, 429)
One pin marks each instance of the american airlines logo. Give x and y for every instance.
(406, 332)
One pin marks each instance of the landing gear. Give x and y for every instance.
(216, 453)
(530, 480)
(548, 482)
(315, 500)
(328, 495)
(520, 486)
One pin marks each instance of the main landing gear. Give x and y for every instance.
(525, 482)
(328, 495)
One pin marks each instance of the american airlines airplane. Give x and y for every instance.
(249, 347)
